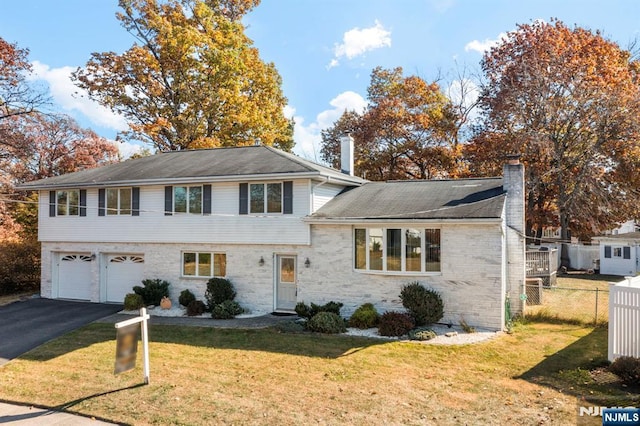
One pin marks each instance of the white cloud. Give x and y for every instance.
(356, 42)
(483, 46)
(127, 149)
(308, 137)
(73, 99)
(465, 92)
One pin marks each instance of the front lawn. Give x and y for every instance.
(214, 376)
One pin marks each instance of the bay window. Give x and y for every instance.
(410, 250)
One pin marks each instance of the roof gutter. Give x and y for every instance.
(376, 221)
(191, 180)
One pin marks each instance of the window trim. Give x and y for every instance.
(265, 198)
(67, 204)
(110, 211)
(403, 248)
(197, 264)
(187, 199)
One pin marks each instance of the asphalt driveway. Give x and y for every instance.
(30, 323)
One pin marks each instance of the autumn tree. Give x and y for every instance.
(193, 78)
(568, 100)
(17, 95)
(408, 130)
(36, 146)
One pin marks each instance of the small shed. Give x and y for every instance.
(619, 254)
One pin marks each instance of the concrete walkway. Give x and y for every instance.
(15, 414)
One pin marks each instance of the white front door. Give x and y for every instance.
(286, 283)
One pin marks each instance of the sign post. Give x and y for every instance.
(127, 344)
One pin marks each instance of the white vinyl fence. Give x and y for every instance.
(624, 318)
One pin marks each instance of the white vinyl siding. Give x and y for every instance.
(322, 193)
(223, 225)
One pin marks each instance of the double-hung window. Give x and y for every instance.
(265, 197)
(204, 264)
(187, 199)
(118, 201)
(68, 203)
(410, 250)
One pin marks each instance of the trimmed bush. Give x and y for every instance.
(218, 290)
(303, 310)
(327, 322)
(133, 302)
(424, 305)
(627, 368)
(364, 317)
(309, 312)
(226, 310)
(395, 324)
(153, 291)
(195, 308)
(422, 333)
(186, 297)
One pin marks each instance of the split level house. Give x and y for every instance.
(283, 230)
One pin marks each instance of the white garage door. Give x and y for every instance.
(123, 272)
(74, 276)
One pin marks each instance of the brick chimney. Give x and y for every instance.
(513, 185)
(346, 154)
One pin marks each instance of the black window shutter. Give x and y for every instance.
(168, 200)
(244, 198)
(83, 202)
(206, 199)
(101, 197)
(626, 252)
(52, 203)
(135, 201)
(607, 252)
(287, 191)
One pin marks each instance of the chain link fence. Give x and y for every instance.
(587, 306)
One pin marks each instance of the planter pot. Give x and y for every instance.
(165, 303)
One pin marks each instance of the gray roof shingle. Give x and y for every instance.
(437, 199)
(197, 165)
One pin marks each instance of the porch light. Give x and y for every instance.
(307, 263)
(261, 261)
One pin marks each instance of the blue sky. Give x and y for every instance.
(324, 49)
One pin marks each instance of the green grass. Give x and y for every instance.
(574, 300)
(215, 376)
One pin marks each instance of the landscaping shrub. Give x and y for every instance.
(195, 308)
(422, 333)
(186, 297)
(308, 312)
(395, 324)
(327, 322)
(218, 290)
(424, 305)
(628, 369)
(364, 317)
(226, 310)
(19, 266)
(133, 302)
(153, 291)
